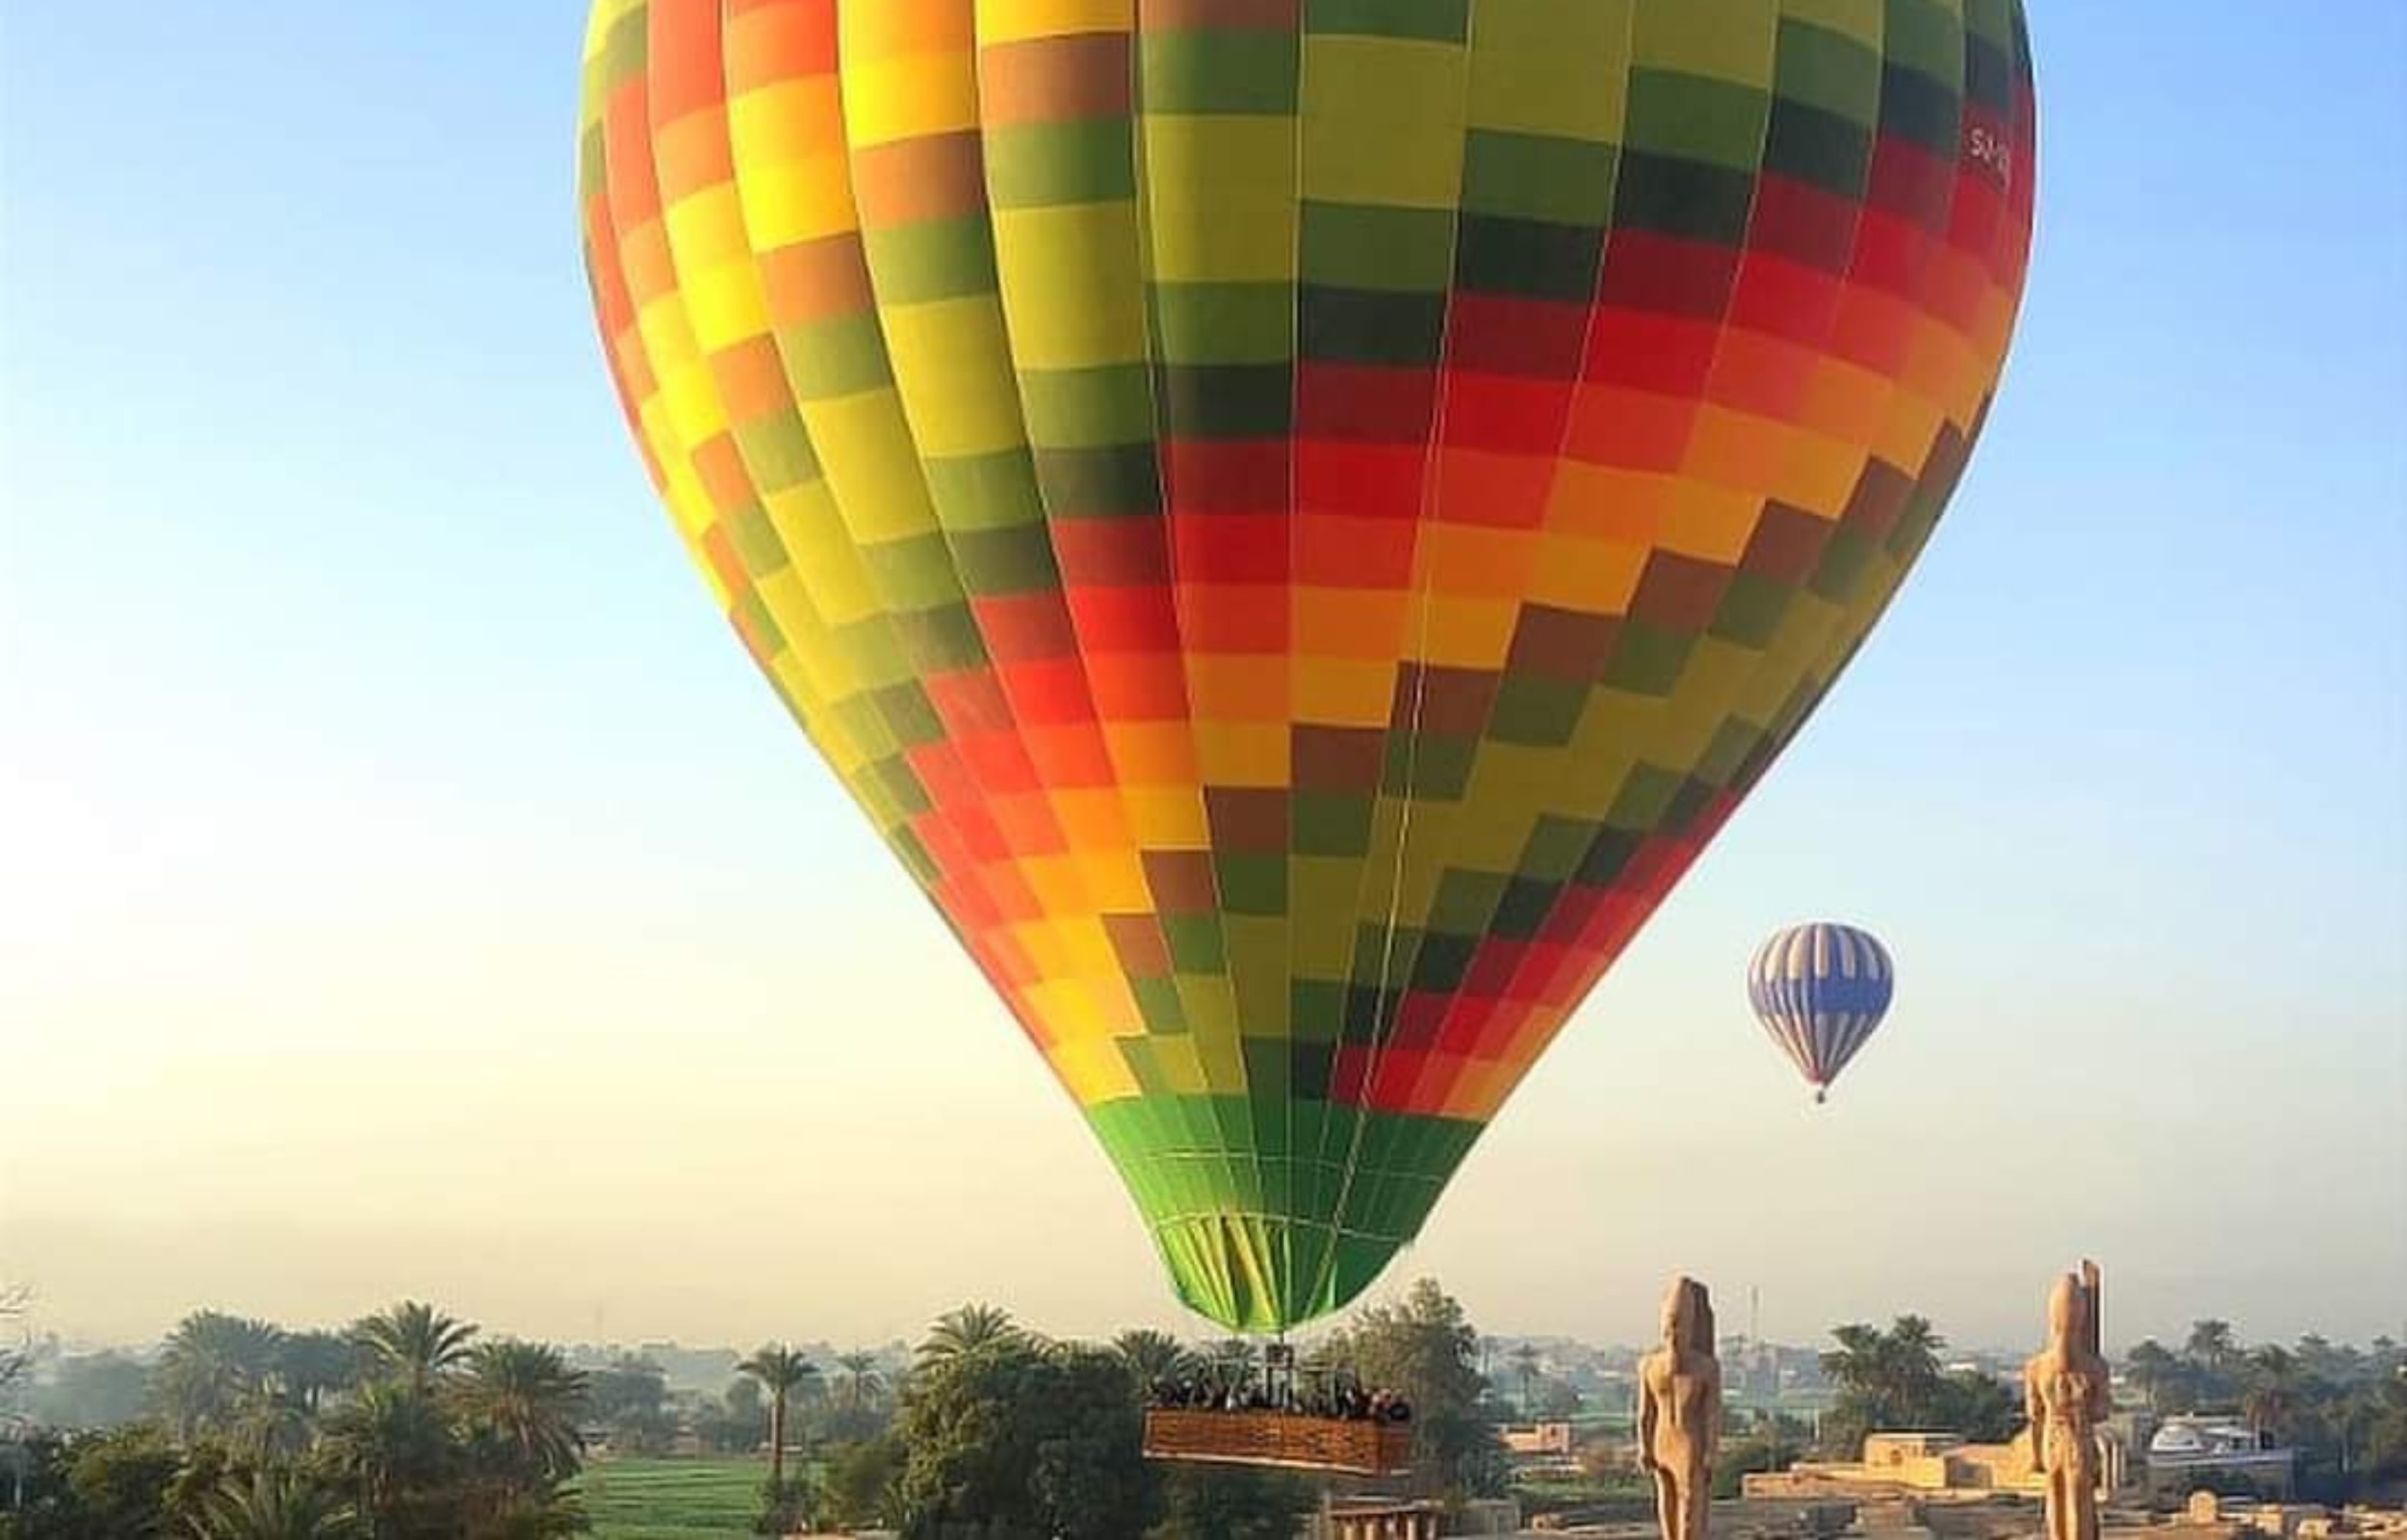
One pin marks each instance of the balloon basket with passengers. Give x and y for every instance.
(1299, 563)
(1289, 1417)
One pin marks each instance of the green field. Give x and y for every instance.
(672, 1500)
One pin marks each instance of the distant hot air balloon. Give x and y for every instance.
(1299, 520)
(1821, 990)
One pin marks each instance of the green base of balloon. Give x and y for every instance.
(1269, 1216)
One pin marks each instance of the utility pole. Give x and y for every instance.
(1755, 1336)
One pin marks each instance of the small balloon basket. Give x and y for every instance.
(1285, 1441)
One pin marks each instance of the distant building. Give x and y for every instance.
(2208, 1516)
(2164, 1462)
(1897, 1465)
(2188, 1453)
(1538, 1439)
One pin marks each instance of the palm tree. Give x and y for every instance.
(211, 1365)
(2152, 1368)
(526, 1397)
(1856, 1364)
(858, 1376)
(971, 1328)
(276, 1506)
(1153, 1356)
(1914, 1339)
(1525, 1364)
(270, 1423)
(2371, 1421)
(781, 1371)
(1886, 1379)
(2210, 1345)
(389, 1442)
(414, 1343)
(314, 1365)
(2271, 1393)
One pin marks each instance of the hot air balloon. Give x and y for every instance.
(1299, 519)
(1821, 990)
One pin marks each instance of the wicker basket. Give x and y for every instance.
(1281, 1440)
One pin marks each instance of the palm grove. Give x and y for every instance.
(2343, 1408)
(407, 1424)
(413, 1424)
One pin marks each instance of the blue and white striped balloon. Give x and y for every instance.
(1821, 990)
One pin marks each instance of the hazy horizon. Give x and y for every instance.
(1637, 1340)
(410, 890)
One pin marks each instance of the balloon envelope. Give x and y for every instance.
(1821, 992)
(1299, 519)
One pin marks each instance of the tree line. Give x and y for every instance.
(413, 1424)
(2343, 1408)
(409, 1426)
(1001, 1432)
(1892, 1380)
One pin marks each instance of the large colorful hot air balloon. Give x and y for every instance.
(1299, 519)
(1821, 992)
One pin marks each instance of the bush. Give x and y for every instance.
(864, 1482)
(785, 1507)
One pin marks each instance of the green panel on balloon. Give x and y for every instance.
(1261, 1268)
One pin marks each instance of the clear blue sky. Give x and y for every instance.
(406, 885)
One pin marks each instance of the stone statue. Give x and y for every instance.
(2067, 1393)
(1679, 1412)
